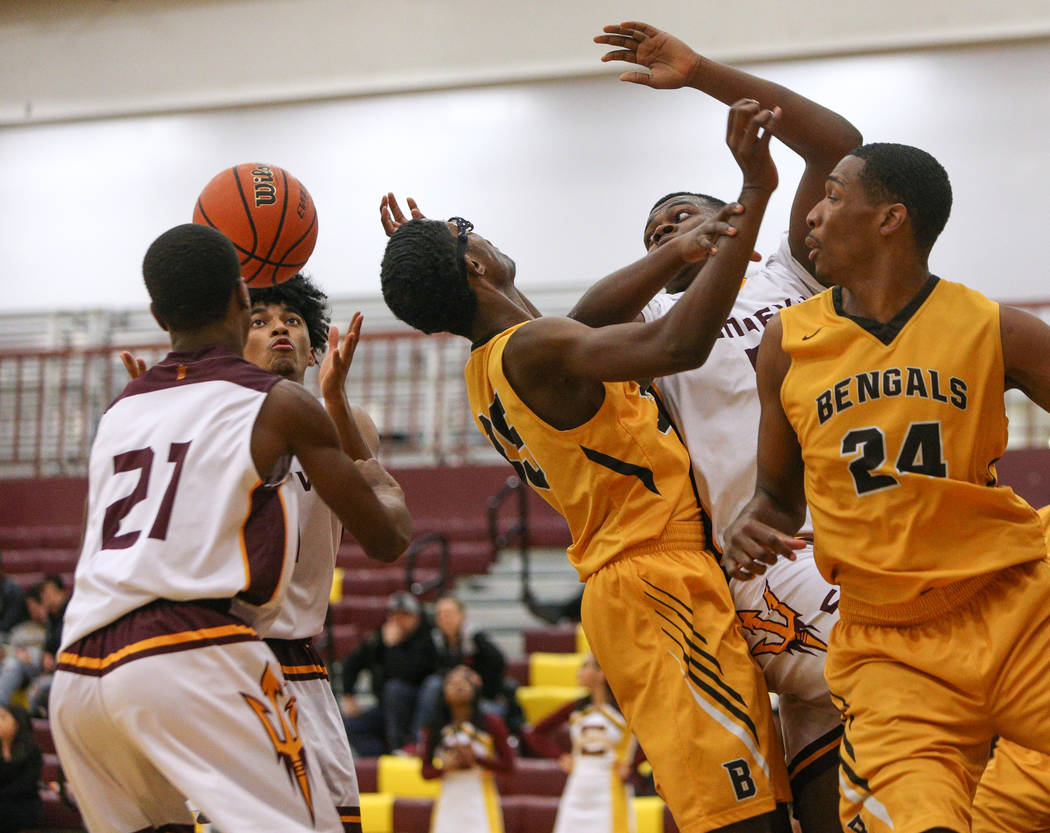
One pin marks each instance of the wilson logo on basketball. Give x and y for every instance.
(265, 189)
(304, 203)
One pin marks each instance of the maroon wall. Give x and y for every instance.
(451, 497)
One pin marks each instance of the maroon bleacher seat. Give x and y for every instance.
(533, 776)
(52, 768)
(529, 813)
(366, 582)
(365, 612)
(343, 639)
(39, 560)
(412, 815)
(42, 735)
(367, 774)
(518, 670)
(61, 536)
(554, 639)
(58, 816)
(466, 558)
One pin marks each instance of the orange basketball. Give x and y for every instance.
(267, 213)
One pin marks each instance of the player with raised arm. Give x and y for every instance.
(558, 400)
(882, 402)
(289, 327)
(165, 692)
(787, 618)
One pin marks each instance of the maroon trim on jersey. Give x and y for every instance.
(209, 364)
(299, 660)
(263, 538)
(160, 627)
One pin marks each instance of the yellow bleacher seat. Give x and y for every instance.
(377, 813)
(649, 810)
(402, 777)
(582, 646)
(537, 701)
(554, 669)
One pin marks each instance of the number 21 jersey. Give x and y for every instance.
(176, 509)
(901, 424)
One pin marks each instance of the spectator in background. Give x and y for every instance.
(24, 652)
(464, 747)
(12, 604)
(54, 597)
(457, 642)
(598, 796)
(399, 655)
(20, 766)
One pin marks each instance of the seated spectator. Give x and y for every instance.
(20, 766)
(464, 747)
(457, 642)
(12, 604)
(399, 656)
(54, 596)
(24, 652)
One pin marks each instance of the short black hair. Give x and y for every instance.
(191, 271)
(303, 296)
(714, 203)
(423, 282)
(912, 177)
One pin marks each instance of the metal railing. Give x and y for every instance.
(52, 399)
(412, 385)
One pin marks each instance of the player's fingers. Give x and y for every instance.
(333, 339)
(770, 126)
(756, 257)
(636, 27)
(414, 209)
(730, 210)
(621, 55)
(130, 364)
(621, 41)
(718, 228)
(395, 210)
(643, 78)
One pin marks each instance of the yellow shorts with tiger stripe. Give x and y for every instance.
(664, 629)
(922, 700)
(1014, 793)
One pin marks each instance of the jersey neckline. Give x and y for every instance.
(886, 331)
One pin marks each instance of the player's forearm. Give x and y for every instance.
(693, 324)
(810, 129)
(350, 438)
(775, 510)
(621, 296)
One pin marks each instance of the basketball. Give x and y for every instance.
(267, 213)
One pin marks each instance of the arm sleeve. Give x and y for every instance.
(540, 737)
(503, 755)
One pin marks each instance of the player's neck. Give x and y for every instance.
(884, 286)
(218, 335)
(496, 315)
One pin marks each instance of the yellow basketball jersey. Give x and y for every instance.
(618, 480)
(900, 426)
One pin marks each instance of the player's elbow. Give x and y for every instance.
(685, 353)
(389, 545)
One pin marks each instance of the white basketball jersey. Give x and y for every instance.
(176, 509)
(716, 406)
(305, 603)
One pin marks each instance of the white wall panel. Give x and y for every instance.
(64, 59)
(559, 174)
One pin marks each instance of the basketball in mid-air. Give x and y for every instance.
(267, 213)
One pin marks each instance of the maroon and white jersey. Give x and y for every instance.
(716, 406)
(176, 509)
(320, 531)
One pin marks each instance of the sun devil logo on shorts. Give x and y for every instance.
(265, 189)
(286, 743)
(789, 634)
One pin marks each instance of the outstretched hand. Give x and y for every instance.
(391, 216)
(670, 62)
(701, 242)
(337, 359)
(748, 134)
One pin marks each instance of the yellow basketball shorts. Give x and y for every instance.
(922, 701)
(663, 628)
(1014, 793)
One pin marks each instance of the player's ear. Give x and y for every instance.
(475, 267)
(311, 358)
(894, 217)
(243, 298)
(157, 318)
